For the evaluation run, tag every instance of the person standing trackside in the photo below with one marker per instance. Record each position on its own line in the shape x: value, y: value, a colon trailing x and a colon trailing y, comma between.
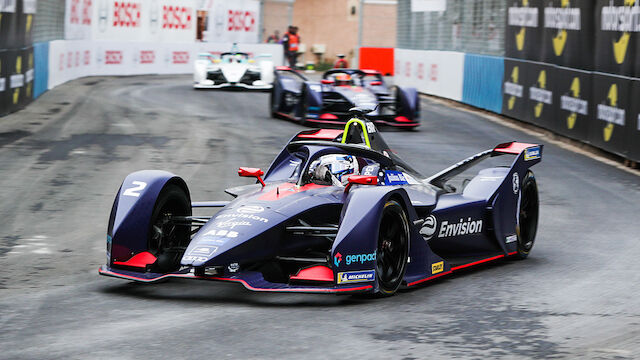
x: 291, y: 42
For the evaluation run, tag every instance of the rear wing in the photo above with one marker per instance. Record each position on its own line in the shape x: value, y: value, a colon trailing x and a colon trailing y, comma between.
x: 531, y: 154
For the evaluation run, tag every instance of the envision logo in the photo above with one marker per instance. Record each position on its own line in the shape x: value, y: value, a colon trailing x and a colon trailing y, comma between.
x: 573, y: 103
x: 611, y: 113
x: 540, y: 94
x: 513, y: 88
x: 462, y: 227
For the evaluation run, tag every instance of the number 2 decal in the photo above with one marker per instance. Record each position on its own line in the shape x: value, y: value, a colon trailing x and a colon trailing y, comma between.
x: 135, y: 191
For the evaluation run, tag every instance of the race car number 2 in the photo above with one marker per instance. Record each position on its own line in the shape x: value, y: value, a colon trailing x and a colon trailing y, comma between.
x: 135, y: 190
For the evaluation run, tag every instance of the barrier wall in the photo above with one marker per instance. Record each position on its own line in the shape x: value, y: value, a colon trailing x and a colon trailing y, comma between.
x: 437, y: 73
x: 482, y: 84
x: 71, y: 59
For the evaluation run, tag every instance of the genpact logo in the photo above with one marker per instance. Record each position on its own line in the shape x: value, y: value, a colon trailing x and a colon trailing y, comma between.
x: 361, y: 258
x: 337, y: 258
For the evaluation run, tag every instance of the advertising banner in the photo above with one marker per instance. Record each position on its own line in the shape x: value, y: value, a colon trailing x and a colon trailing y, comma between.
x: 4, y: 82
x: 27, y: 70
x: 633, y: 138
x: 617, y: 25
x: 26, y: 15
x: 70, y: 59
x: 78, y: 18
x: 514, y: 90
x: 610, y: 126
x: 233, y: 21
x: 8, y: 24
x: 428, y: 5
x: 572, y: 100
x: 540, y: 82
x: 432, y: 72
x: 138, y: 20
x: 568, y: 37
x: 15, y: 79
x: 524, y: 31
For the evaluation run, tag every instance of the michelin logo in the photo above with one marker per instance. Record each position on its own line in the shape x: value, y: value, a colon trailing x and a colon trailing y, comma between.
x: 462, y: 227
x: 356, y: 276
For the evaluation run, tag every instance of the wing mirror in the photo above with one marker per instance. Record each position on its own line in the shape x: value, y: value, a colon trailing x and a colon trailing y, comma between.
x: 327, y: 82
x: 375, y: 83
x: 361, y: 180
x: 252, y: 172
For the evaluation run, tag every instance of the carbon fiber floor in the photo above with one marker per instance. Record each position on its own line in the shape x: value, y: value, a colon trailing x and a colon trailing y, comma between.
x: 63, y: 158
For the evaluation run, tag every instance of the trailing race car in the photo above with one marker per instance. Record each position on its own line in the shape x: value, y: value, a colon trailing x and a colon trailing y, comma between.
x: 336, y: 212
x: 328, y: 102
x: 233, y: 69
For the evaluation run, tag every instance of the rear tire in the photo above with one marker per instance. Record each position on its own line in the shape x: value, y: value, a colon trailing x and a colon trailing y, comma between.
x: 272, y: 102
x: 168, y: 241
x: 528, y: 215
x: 393, y: 248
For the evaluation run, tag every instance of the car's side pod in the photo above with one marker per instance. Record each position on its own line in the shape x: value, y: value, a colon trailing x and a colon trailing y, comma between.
x: 129, y: 223
x: 408, y: 103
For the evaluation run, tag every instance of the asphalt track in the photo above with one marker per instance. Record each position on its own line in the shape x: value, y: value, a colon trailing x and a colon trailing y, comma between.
x: 63, y: 158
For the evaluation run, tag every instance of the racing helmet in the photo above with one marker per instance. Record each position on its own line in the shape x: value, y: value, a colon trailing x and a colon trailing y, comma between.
x: 333, y: 169
x: 344, y: 79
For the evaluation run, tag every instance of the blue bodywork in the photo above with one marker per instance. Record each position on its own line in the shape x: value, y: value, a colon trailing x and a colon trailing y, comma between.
x: 264, y: 226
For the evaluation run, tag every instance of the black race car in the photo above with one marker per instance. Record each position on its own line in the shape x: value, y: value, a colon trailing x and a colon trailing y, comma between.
x: 328, y: 101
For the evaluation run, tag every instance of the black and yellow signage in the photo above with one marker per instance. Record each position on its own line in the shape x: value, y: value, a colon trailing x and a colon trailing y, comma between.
x: 617, y: 26
x: 568, y: 33
x: 523, y: 34
x: 514, y: 94
x: 609, y: 125
x: 573, y: 102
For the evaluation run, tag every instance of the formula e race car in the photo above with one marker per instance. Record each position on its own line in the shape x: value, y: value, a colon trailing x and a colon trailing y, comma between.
x: 328, y: 102
x: 336, y: 212
x: 233, y: 70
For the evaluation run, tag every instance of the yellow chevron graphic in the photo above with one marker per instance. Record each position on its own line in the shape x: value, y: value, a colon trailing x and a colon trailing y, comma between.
x: 575, y: 92
x: 620, y: 46
x: 520, y: 39
x: 16, y: 91
x: 542, y: 83
x: 607, y: 132
x: 514, y: 78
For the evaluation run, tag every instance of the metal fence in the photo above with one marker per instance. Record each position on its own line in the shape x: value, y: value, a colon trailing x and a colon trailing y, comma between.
x: 49, y: 20
x: 471, y: 26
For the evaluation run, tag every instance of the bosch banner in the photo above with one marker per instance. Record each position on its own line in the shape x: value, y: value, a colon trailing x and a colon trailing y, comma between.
x: 617, y: 26
x: 131, y: 20
x: 572, y: 101
x: 524, y: 32
x: 610, y: 124
x: 78, y: 19
x: 539, y: 84
x: 633, y: 138
x: 514, y: 90
x: 233, y: 21
x: 568, y: 33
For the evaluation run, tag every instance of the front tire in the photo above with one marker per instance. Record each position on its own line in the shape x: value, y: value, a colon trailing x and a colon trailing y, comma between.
x: 168, y: 241
x: 527, y: 215
x: 393, y: 248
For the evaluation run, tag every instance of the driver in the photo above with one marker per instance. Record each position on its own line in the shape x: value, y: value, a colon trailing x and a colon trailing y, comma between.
x: 333, y: 169
x: 344, y: 80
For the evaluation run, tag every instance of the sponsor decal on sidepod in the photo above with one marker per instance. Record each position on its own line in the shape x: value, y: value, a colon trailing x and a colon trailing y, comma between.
x: 462, y: 227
